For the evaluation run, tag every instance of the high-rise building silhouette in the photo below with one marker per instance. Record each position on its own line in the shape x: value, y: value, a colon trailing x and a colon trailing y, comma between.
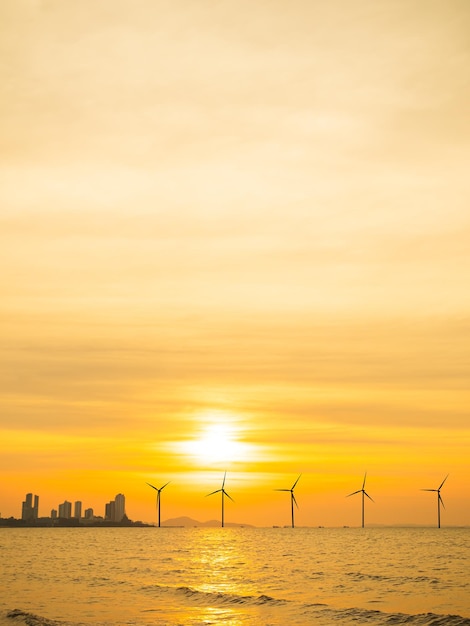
x: 77, y: 509
x: 119, y: 507
x: 109, y: 511
x: 65, y: 510
x: 30, y: 511
x: 115, y: 510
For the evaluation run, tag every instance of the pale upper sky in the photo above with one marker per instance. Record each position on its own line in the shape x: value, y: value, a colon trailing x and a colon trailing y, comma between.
x: 250, y: 214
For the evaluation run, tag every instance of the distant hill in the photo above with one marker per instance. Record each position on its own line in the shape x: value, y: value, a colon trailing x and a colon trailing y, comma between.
x: 188, y: 522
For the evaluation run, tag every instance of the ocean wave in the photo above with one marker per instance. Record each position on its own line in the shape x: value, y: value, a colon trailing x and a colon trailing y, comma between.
x: 392, y: 579
x: 327, y: 615
x: 30, y: 619
x: 219, y: 597
x: 299, y: 614
x: 317, y: 612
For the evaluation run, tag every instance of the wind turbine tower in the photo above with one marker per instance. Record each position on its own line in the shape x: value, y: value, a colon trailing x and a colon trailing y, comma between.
x: 223, y: 494
x: 364, y: 493
x: 292, y: 498
x: 158, y: 490
x: 439, y: 500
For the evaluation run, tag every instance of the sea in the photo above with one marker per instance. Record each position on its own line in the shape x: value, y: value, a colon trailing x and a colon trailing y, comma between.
x: 235, y: 576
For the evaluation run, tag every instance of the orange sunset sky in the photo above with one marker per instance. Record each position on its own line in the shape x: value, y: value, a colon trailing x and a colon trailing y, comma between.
x: 234, y: 236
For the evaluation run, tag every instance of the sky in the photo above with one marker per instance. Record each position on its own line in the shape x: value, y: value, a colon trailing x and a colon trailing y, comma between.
x: 234, y: 238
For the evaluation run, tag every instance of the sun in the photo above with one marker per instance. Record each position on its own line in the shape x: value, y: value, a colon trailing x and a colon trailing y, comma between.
x: 217, y: 441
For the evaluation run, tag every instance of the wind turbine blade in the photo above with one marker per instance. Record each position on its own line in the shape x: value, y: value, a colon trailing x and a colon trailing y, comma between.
x: 441, y: 500
x: 165, y: 485
x: 212, y: 492
x: 364, y: 481
x: 440, y: 487
x: 428, y: 489
x: 354, y: 493
x: 228, y: 496
x: 152, y: 486
x: 366, y: 494
x: 281, y: 490
x: 293, y: 498
x: 293, y: 486
x: 223, y: 482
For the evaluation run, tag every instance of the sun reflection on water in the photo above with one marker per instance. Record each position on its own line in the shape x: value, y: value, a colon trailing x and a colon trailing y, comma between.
x: 219, y: 557
x: 221, y: 615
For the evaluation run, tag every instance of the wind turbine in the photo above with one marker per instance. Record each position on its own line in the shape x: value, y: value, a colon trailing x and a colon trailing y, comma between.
x: 439, y: 500
x: 292, y: 498
x: 158, y: 497
x: 224, y: 493
x: 364, y: 493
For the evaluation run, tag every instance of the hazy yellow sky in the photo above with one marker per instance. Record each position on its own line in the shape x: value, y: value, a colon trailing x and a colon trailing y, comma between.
x: 235, y: 237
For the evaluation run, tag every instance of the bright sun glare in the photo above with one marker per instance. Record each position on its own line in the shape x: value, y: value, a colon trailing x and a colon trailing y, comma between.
x: 218, y: 441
